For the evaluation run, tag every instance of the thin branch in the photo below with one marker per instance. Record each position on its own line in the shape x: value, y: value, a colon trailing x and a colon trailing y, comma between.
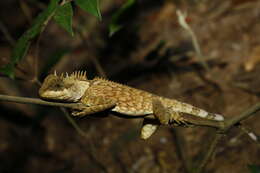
x: 6, y: 34
x: 184, y: 24
x: 181, y: 149
x: 94, y: 60
x: 223, y: 126
x: 65, y: 2
x: 227, y: 125
x: 73, y: 123
x: 249, y: 133
x: 246, y: 114
x: 37, y: 101
x: 36, y: 59
x: 209, y: 152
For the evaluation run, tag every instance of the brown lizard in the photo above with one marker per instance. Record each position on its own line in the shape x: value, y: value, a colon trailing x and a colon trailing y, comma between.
x: 100, y: 94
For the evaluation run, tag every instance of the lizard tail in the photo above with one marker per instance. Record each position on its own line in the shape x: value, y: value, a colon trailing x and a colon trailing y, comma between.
x: 204, y: 114
x: 217, y: 117
x: 201, y: 113
x: 190, y: 109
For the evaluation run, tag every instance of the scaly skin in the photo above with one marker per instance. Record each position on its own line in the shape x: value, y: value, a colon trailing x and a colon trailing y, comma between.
x: 135, y: 102
x: 99, y: 94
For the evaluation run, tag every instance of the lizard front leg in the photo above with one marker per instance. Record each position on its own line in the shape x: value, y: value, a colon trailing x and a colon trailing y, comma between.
x: 93, y: 104
x: 166, y: 116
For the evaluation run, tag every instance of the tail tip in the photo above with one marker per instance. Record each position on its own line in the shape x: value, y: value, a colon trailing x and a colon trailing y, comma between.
x: 253, y: 136
x: 218, y: 117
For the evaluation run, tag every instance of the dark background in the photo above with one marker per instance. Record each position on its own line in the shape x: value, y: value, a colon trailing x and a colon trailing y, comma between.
x: 151, y: 52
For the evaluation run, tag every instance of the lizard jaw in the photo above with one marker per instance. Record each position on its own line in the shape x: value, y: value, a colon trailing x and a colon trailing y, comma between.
x: 63, y: 95
x: 71, y: 94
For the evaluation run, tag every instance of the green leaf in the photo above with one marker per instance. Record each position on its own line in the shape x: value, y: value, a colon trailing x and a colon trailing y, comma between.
x: 113, y: 28
x: 91, y: 6
x: 8, y: 70
x: 114, y: 25
x: 22, y: 45
x: 63, y: 16
x: 254, y: 168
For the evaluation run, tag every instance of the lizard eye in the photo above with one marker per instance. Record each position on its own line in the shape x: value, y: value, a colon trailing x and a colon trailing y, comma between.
x: 57, y: 85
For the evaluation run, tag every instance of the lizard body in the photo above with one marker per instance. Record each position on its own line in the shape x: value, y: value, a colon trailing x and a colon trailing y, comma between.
x: 101, y: 94
x: 136, y: 102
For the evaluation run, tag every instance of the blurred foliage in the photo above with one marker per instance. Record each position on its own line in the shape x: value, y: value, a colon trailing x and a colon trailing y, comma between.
x: 254, y: 168
x: 22, y: 45
x: 63, y: 17
x: 91, y: 6
x: 114, y: 25
x: 62, y: 14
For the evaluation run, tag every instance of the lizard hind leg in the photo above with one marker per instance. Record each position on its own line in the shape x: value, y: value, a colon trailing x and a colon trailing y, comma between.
x: 149, y: 127
x: 166, y: 116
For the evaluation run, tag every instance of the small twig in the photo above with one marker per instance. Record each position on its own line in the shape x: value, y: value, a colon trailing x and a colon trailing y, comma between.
x: 36, y: 59
x: 249, y: 133
x: 209, y: 152
x: 73, y: 123
x: 181, y: 149
x: 94, y: 60
x: 246, y: 114
x: 184, y: 24
x: 6, y: 34
x: 26, y: 11
x: 65, y: 1
x: 227, y: 125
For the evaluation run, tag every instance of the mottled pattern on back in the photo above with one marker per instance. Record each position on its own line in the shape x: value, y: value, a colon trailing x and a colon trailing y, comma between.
x: 135, y: 102
x: 129, y: 100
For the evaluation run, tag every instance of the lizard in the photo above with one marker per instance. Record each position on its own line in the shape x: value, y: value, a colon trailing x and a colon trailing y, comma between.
x: 98, y: 94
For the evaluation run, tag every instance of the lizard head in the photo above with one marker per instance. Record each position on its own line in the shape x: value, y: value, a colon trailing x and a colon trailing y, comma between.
x: 66, y: 88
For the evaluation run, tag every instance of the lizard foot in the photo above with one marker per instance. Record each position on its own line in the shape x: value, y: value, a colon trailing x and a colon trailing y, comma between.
x: 78, y: 113
x: 176, y: 118
x: 148, y: 128
x: 167, y: 116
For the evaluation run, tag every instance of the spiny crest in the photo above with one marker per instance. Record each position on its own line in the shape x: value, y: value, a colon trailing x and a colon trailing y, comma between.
x: 80, y: 75
x: 110, y: 81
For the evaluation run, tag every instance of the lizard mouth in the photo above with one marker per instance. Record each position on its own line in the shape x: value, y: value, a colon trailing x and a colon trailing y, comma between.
x: 62, y: 96
x: 54, y: 95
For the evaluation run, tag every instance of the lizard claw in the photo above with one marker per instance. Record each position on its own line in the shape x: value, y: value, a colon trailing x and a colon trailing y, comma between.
x: 78, y: 113
x: 75, y: 113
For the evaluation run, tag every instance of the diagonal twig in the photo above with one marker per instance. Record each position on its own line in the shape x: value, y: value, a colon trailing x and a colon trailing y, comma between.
x: 227, y: 125
x: 184, y: 25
